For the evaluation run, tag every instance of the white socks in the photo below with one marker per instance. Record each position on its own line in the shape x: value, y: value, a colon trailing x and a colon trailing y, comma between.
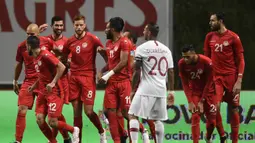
x: 159, y: 127
x: 134, y: 129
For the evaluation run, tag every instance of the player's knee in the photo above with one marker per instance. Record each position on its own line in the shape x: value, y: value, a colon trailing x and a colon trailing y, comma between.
x: 53, y: 122
x: 234, y: 109
x: 39, y: 119
x: 211, y: 123
x: 218, y: 106
x: 130, y: 117
x: 195, y: 119
x: 22, y: 109
x: 88, y: 112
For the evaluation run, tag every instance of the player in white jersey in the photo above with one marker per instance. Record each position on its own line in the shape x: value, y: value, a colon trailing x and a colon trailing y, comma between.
x: 153, y: 64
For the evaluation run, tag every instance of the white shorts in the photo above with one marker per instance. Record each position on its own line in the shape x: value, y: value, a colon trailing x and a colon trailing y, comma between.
x: 149, y: 107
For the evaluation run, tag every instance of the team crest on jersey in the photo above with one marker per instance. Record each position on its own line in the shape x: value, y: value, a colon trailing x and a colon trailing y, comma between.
x: 84, y: 45
x: 115, y: 48
x: 43, y: 48
x: 200, y: 71
x: 60, y: 47
x: 39, y: 63
x: 225, y: 43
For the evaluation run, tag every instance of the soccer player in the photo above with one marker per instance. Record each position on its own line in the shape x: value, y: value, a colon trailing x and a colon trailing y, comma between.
x: 118, y: 88
x: 196, y: 72
x: 153, y: 62
x: 83, y: 46
x: 50, y: 69
x: 25, y: 98
x: 225, y: 49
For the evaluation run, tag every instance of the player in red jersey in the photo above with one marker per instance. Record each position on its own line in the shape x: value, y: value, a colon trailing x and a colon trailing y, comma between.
x: 225, y: 49
x: 49, y: 69
x: 83, y: 46
x: 117, y: 93
x: 196, y: 72
x: 25, y: 98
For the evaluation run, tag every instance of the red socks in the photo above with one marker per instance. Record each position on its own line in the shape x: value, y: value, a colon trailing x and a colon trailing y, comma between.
x: 113, y: 123
x: 235, y: 121
x: 219, y: 125
x: 195, y: 127
x: 20, y: 126
x: 47, y: 132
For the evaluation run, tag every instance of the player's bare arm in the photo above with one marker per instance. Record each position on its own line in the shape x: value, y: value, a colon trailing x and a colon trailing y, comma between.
x: 136, y: 76
x: 123, y: 62
x: 170, y: 97
x: 102, y: 52
x: 33, y: 86
x: 18, y: 69
x: 60, y: 70
x: 43, y: 27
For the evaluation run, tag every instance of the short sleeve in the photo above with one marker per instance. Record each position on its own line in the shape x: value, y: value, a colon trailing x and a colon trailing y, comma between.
x: 125, y: 45
x: 19, y: 57
x: 170, y: 60
x: 139, y: 54
x: 97, y: 42
x: 51, y: 59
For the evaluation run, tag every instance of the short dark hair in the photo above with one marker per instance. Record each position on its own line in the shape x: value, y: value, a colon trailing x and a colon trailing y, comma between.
x: 220, y: 15
x: 153, y: 28
x: 79, y: 17
x: 132, y: 35
x: 56, y: 18
x: 117, y: 23
x: 187, y: 48
x: 33, y: 41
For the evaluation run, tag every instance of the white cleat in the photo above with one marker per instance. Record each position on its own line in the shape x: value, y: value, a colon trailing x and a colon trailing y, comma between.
x: 76, y: 138
x: 103, y: 138
x: 145, y: 136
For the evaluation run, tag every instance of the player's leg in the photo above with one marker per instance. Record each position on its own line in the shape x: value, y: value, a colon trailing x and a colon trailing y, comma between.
x: 152, y: 129
x: 25, y: 102
x: 121, y: 126
x: 41, y: 112
x: 55, y: 105
x: 64, y: 133
x: 74, y: 98
x: 210, y: 113
x: 219, y: 87
x: 195, y: 120
x: 159, y: 127
x: 88, y: 98
x: 110, y: 105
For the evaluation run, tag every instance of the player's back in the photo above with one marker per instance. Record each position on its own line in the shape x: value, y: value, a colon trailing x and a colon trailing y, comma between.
x: 156, y: 60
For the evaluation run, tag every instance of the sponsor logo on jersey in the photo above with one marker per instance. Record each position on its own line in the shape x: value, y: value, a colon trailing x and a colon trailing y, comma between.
x: 200, y: 71
x: 39, y: 63
x: 60, y: 47
x: 116, y: 48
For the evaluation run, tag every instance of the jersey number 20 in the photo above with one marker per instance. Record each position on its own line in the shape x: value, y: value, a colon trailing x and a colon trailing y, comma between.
x: 158, y: 64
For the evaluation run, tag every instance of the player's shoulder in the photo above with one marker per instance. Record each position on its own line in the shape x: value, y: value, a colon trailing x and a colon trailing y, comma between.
x: 233, y: 34
x: 181, y: 62
x: 210, y: 34
x: 71, y: 39
x: 205, y: 59
x: 125, y: 40
x: 22, y: 44
x: 46, y: 53
x: 44, y: 38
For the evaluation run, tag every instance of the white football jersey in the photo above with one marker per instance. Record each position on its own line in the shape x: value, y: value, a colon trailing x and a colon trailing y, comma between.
x: 156, y: 60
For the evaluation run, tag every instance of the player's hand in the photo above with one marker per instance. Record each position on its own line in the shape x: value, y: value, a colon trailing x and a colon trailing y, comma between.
x: 192, y: 107
x: 237, y: 87
x: 200, y: 107
x: 16, y: 87
x: 170, y: 99
x: 31, y: 88
x: 99, y: 75
x: 101, y: 81
x: 50, y: 86
x: 43, y: 27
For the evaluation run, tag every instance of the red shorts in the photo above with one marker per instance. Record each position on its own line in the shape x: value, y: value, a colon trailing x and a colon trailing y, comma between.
x: 50, y: 104
x: 117, y: 95
x: 226, y: 84
x: 82, y: 88
x: 26, y: 98
x: 210, y: 109
x: 65, y: 86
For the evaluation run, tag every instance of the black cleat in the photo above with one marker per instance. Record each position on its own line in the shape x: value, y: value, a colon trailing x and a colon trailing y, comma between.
x: 68, y: 140
x: 223, y: 139
x: 123, y: 139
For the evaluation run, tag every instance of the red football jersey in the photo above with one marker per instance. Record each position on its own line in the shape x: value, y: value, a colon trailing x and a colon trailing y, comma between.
x: 23, y: 56
x: 59, y: 43
x: 197, y: 79
x: 113, y: 53
x: 84, y: 51
x: 224, y: 49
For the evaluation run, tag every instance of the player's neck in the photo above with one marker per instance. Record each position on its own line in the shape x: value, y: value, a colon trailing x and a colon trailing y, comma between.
x: 222, y: 30
x: 153, y: 38
x: 195, y: 59
x: 116, y: 37
x: 56, y: 37
x: 36, y: 52
x: 81, y: 35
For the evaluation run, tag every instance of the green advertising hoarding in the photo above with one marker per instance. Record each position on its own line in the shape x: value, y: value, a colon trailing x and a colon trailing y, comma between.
x: 177, y: 128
